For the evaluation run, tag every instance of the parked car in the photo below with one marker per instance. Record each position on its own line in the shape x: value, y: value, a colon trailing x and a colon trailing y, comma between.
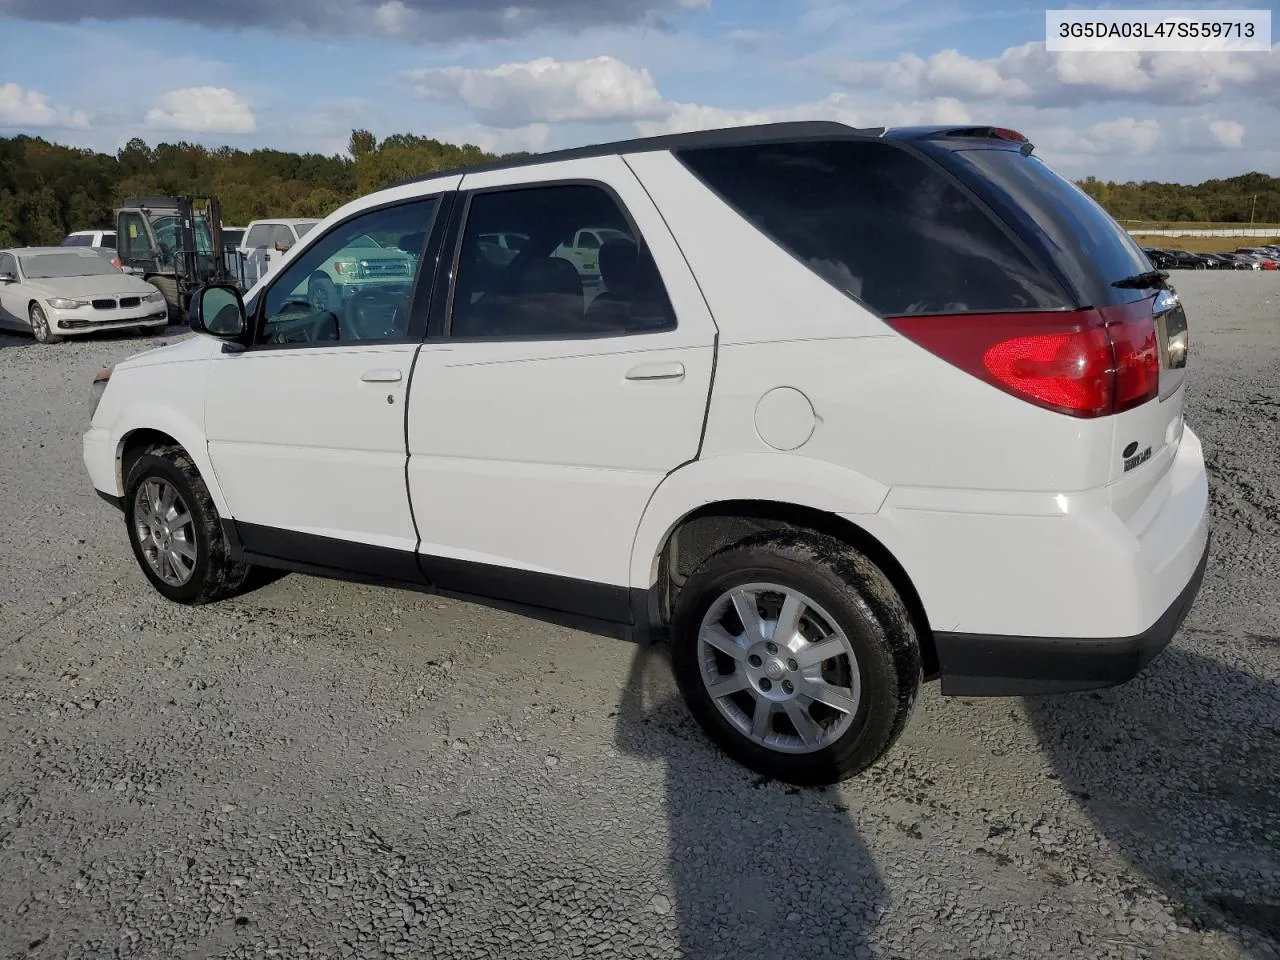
x: 233, y: 237
x: 1186, y: 260
x: 266, y: 241
x: 57, y: 292
x: 1160, y: 259
x: 1261, y: 256
x: 1229, y: 261
x: 103, y: 239
x: 978, y: 472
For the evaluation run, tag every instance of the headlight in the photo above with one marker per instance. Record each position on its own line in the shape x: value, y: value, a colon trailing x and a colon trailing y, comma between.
x: 62, y: 303
x: 154, y: 297
x: 349, y: 268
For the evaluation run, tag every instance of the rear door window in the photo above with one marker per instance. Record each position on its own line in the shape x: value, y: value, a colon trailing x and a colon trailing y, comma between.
x: 879, y: 223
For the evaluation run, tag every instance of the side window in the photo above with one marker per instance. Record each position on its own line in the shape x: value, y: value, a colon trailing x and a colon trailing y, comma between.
x: 259, y: 236
x: 352, y: 285
x: 78, y: 240
x: 540, y: 289
x: 109, y: 241
x: 134, y: 245
x: 879, y: 224
x: 588, y: 241
x: 8, y: 264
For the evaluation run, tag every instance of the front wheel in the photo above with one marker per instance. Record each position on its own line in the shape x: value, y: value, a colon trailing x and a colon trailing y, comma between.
x: 797, y: 657
x: 40, y: 328
x: 175, y: 530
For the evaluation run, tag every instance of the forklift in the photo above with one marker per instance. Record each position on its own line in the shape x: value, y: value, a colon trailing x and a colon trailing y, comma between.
x: 176, y: 245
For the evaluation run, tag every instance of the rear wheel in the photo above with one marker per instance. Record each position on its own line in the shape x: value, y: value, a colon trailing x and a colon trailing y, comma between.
x: 797, y: 656
x: 40, y: 328
x: 175, y: 530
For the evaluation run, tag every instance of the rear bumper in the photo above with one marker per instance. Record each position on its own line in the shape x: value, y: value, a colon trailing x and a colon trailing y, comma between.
x: 998, y: 666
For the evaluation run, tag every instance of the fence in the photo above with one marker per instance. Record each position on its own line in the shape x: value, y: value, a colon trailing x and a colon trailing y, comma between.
x: 1203, y: 232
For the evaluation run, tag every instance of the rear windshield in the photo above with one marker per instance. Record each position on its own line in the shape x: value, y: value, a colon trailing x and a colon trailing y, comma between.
x: 303, y: 229
x: 1081, y: 238
x: 881, y: 224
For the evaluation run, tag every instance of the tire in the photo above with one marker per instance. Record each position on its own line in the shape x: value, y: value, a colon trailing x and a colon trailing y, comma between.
x: 322, y: 294
x: 203, y: 572
x: 40, y: 328
x: 849, y: 606
x: 169, y: 287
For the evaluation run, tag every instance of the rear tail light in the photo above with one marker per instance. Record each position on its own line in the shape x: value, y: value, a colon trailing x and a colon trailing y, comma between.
x: 1086, y: 363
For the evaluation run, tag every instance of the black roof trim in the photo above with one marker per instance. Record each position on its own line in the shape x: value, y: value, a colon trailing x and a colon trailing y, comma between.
x: 722, y: 137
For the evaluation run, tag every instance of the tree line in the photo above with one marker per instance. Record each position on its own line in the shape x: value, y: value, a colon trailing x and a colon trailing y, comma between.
x: 48, y: 190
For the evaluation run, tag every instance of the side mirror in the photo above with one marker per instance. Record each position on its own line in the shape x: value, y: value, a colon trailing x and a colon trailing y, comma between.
x: 218, y: 310
x: 8, y: 278
x: 283, y: 247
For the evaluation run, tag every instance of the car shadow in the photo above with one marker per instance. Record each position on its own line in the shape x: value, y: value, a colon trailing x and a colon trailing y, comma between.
x: 1178, y: 774
x: 758, y: 869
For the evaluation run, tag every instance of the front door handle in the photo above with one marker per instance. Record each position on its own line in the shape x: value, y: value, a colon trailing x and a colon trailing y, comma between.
x: 657, y: 371
x: 381, y: 376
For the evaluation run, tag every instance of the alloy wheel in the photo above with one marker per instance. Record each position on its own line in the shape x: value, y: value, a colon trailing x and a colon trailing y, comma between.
x: 165, y: 531
x: 779, y: 668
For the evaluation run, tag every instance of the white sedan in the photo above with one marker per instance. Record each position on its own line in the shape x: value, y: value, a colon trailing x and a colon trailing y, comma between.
x: 64, y: 291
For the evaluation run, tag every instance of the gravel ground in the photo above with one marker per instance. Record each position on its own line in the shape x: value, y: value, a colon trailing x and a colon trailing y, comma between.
x: 328, y: 770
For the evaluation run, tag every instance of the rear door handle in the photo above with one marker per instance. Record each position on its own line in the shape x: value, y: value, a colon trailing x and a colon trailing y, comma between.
x: 381, y: 376
x: 657, y: 371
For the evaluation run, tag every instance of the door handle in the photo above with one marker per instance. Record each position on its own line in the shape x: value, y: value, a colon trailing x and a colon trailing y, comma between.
x: 381, y: 376
x: 657, y: 371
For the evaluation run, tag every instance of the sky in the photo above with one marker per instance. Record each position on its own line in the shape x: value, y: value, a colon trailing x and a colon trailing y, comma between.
x: 541, y: 74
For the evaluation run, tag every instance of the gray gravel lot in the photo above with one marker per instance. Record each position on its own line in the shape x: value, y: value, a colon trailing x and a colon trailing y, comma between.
x: 327, y: 770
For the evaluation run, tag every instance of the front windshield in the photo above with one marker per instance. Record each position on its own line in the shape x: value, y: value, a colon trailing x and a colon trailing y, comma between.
x: 49, y: 266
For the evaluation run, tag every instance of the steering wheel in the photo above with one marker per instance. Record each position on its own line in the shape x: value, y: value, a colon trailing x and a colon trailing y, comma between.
x: 376, y: 315
x: 306, y: 325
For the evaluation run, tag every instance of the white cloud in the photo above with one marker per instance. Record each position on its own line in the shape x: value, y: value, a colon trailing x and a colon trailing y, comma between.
x: 840, y: 107
x: 1208, y: 132
x: 1228, y: 133
x: 202, y: 110
x: 1124, y: 135
x: 545, y: 91
x: 20, y: 107
x: 1030, y: 74
x: 534, y: 137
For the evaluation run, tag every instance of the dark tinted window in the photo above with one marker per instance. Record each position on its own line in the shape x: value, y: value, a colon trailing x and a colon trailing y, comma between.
x: 77, y: 240
x: 109, y: 240
x: 1087, y: 245
x: 882, y: 225
x: 550, y: 287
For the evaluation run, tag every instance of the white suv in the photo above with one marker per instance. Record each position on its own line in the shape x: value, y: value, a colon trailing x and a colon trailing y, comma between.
x: 853, y: 409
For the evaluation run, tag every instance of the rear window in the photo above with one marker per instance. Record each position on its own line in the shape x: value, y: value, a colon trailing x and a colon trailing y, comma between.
x: 881, y: 224
x: 77, y: 240
x: 303, y: 228
x: 1089, y: 247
